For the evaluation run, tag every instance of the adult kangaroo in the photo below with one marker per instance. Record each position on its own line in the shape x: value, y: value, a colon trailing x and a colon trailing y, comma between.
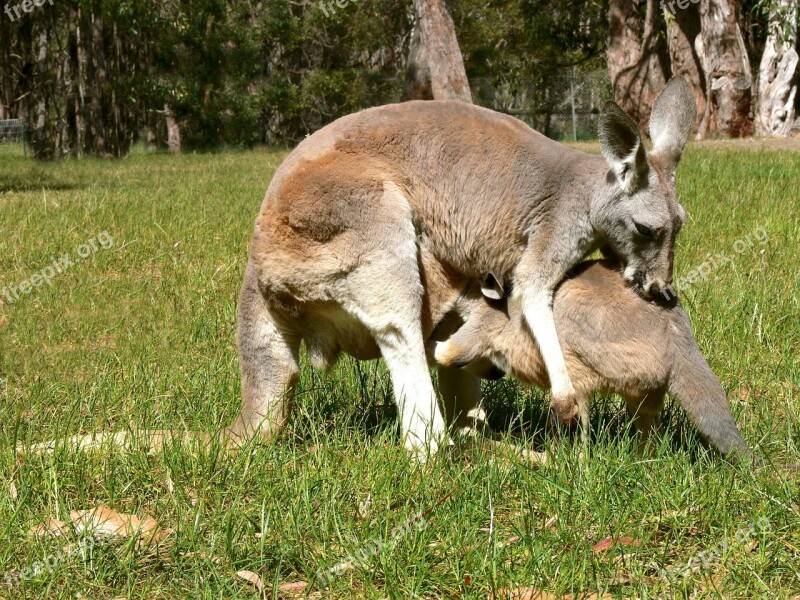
x: 339, y: 231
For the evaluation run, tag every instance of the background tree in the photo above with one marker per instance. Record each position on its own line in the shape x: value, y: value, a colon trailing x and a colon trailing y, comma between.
x: 683, y: 29
x: 777, y: 74
x: 705, y: 44
x: 94, y: 77
x: 638, y: 56
x: 435, y: 66
x: 727, y: 70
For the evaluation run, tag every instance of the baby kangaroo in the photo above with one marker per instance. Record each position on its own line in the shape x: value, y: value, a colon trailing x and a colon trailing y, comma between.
x: 613, y: 340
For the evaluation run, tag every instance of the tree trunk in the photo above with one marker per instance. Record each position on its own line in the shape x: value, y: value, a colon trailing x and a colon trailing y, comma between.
x: 42, y: 142
x: 435, y: 66
x: 25, y: 80
x: 173, y: 130
x: 638, y: 57
x: 75, y: 89
x: 729, y: 80
x: 418, y: 75
x: 683, y: 27
x: 96, y: 79
x: 777, y: 84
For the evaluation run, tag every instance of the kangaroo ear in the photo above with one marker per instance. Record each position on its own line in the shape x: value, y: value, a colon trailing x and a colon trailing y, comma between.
x: 454, y: 352
x: 492, y: 288
x: 622, y: 147
x: 673, y: 117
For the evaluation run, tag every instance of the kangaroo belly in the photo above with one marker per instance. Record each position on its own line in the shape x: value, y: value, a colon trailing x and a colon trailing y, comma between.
x: 329, y: 331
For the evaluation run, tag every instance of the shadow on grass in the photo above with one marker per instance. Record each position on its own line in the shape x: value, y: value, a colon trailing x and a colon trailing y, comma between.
x: 516, y: 408
x: 34, y: 183
x: 359, y: 400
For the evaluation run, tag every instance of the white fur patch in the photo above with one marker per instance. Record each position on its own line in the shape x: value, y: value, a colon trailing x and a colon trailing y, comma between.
x: 539, y: 316
x: 441, y: 353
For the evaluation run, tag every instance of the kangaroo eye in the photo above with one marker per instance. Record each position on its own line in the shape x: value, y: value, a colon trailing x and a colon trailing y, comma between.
x: 644, y: 230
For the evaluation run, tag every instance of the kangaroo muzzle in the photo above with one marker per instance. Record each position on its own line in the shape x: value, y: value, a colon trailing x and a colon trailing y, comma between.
x: 654, y: 287
x: 647, y: 286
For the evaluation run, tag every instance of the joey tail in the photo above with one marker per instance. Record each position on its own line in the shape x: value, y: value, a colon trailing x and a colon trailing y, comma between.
x: 697, y: 389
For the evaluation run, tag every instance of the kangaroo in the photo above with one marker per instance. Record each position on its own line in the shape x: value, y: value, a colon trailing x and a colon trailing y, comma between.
x: 613, y: 340
x: 338, y: 234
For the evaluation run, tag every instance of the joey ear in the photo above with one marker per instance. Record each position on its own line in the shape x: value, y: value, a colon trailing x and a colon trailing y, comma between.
x: 492, y: 288
x: 453, y: 352
x: 622, y: 147
x: 673, y: 117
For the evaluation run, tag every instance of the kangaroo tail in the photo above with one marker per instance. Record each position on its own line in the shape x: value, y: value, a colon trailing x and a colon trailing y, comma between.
x: 700, y: 394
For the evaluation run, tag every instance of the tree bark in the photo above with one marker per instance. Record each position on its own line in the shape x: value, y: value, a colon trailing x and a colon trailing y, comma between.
x: 173, y: 130
x: 435, y: 65
x: 683, y: 27
x: 75, y: 89
x: 729, y: 80
x: 96, y: 79
x: 418, y: 75
x: 41, y: 143
x: 638, y: 57
x: 777, y: 82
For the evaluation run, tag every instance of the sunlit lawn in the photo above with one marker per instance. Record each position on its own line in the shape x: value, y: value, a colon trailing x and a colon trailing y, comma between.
x: 140, y: 333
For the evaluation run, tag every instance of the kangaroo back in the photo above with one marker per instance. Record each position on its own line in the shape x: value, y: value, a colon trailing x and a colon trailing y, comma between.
x: 700, y: 394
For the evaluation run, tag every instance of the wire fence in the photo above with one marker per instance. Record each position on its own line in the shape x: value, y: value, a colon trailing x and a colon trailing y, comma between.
x: 563, y: 106
x: 14, y: 131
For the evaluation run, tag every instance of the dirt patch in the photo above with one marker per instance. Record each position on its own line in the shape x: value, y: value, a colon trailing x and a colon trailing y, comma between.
x: 789, y: 143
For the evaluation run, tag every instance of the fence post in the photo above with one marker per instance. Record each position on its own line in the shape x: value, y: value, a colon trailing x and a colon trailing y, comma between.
x: 572, y: 102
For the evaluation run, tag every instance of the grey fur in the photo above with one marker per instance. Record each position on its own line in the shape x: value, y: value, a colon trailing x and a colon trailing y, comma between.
x: 622, y: 147
x: 337, y: 239
x: 613, y: 341
x: 670, y: 122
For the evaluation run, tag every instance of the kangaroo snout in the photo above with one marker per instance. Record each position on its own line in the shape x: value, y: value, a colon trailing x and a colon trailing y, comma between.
x: 447, y: 354
x: 647, y: 285
x: 637, y: 279
x: 655, y: 287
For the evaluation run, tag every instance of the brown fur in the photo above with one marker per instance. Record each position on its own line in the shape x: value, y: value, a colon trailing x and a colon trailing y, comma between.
x: 613, y: 341
x: 335, y: 258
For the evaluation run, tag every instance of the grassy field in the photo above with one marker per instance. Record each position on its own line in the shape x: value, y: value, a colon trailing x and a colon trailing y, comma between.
x: 138, y: 331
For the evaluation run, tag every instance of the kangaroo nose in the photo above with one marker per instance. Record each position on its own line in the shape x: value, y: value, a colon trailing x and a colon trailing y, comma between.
x: 653, y: 289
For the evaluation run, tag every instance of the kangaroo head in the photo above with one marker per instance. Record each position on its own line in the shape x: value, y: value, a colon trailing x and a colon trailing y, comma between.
x: 484, y: 321
x: 493, y: 340
x: 638, y: 215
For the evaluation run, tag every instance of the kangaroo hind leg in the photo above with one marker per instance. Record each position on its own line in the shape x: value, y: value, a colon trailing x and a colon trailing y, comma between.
x: 269, y: 362
x: 385, y: 293
x: 644, y: 410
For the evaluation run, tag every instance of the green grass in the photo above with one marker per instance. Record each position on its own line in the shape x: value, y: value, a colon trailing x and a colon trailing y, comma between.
x: 143, y: 333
